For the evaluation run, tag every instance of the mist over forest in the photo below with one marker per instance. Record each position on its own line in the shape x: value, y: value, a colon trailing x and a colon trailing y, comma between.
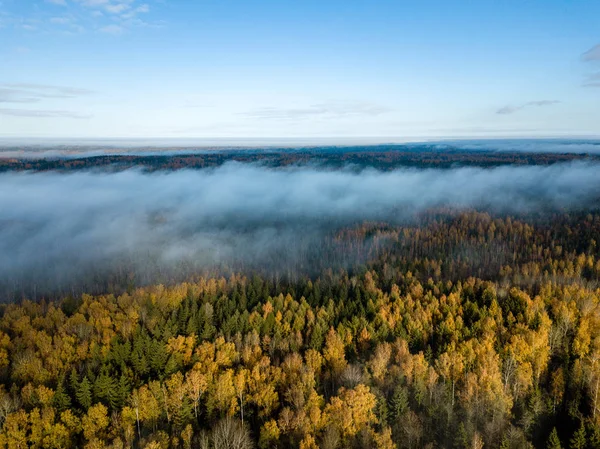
x: 299, y: 225
x: 68, y: 231
x: 375, y: 297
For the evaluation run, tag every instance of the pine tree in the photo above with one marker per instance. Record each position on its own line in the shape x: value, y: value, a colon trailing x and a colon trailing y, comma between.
x: 553, y: 440
x: 84, y: 393
x: 158, y: 357
x: 316, y: 338
x: 138, y: 356
x: 73, y: 382
x: 578, y: 440
x: 183, y: 314
x: 593, y: 436
x: 462, y: 439
x: 105, y: 390
x: 381, y: 409
x: 399, y: 402
x: 208, y: 331
x: 191, y: 327
x: 123, y: 390
x: 183, y: 414
x: 61, y: 399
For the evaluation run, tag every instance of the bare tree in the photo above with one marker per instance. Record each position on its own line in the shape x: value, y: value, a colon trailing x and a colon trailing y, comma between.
x: 352, y: 376
x: 412, y: 428
x: 203, y: 440
x: 8, y: 404
x: 230, y: 433
x: 331, y: 439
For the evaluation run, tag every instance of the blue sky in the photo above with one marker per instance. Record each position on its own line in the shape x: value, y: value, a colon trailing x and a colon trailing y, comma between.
x: 380, y: 69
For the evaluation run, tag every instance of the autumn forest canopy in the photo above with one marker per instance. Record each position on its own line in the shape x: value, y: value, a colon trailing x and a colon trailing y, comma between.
x: 367, y: 297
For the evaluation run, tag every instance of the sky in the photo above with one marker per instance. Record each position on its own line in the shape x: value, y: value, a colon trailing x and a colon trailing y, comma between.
x: 312, y: 69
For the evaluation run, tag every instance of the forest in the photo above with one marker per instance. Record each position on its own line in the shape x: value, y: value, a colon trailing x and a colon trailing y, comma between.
x: 469, y: 332
x: 381, y: 157
x: 456, y: 327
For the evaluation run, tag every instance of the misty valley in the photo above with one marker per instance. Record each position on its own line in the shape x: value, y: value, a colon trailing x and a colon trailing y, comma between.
x: 441, y: 295
x: 307, y: 224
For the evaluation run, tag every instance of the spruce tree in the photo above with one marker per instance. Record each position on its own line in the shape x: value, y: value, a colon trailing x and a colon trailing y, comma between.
x: 61, y: 399
x: 399, y: 402
x: 84, y: 393
x: 73, y: 382
x: 578, y: 439
x: 461, y: 441
x: 553, y: 440
x: 123, y: 390
x: 105, y: 389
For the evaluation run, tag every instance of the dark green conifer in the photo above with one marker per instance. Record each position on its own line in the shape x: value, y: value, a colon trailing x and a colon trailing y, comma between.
x: 461, y: 440
x: 61, y: 399
x: 553, y: 440
x: 578, y: 441
x: 84, y: 393
x: 399, y: 402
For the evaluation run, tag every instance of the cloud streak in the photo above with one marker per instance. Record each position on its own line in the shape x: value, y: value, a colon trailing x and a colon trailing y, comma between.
x: 512, y: 109
x: 61, y: 230
x: 593, y: 54
x: 108, y: 16
x: 42, y: 113
x: 26, y: 93
x: 592, y: 80
x: 123, y: 10
x: 115, y: 30
x: 33, y: 93
x: 322, y: 110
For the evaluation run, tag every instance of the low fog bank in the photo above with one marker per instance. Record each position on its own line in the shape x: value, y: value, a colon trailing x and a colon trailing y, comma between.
x: 63, y: 232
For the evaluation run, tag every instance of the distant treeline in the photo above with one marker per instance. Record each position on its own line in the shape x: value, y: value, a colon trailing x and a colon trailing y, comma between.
x: 379, y: 157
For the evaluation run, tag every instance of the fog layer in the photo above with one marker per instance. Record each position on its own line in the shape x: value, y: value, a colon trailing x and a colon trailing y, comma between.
x: 62, y: 230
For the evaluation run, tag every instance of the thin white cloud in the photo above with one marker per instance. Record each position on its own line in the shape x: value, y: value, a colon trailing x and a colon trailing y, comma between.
x: 112, y: 29
x: 60, y: 20
x: 592, y: 80
x: 32, y: 93
x: 26, y: 93
x: 41, y: 113
x: 512, y: 109
x: 117, y: 8
x: 93, y: 3
x: 331, y: 110
x: 593, y: 54
x: 106, y: 16
x: 124, y: 9
x: 132, y: 13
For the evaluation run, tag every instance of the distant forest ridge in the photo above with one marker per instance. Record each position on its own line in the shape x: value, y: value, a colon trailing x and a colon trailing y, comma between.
x: 381, y: 157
